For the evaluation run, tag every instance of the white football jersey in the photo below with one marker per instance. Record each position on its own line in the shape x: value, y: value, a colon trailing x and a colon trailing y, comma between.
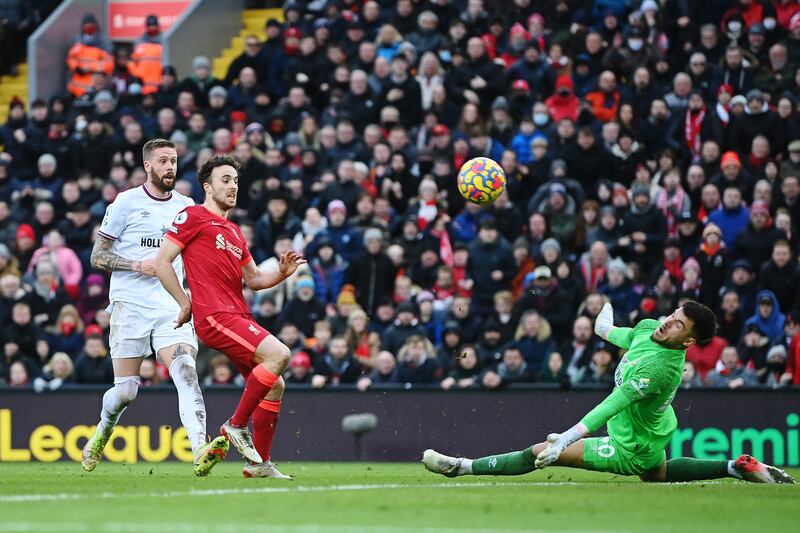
x: 137, y: 222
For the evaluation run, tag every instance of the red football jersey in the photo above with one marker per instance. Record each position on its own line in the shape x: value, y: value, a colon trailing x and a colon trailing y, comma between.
x: 214, y: 251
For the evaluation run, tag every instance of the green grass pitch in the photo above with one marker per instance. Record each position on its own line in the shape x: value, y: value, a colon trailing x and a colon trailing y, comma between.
x: 374, y: 497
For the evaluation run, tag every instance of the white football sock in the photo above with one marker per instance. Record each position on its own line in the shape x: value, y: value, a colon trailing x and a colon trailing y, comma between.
x: 191, y: 406
x: 115, y: 401
x: 465, y: 467
x: 732, y: 470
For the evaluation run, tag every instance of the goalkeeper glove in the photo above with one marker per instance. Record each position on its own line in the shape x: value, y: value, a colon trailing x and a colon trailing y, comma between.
x: 604, y: 321
x: 557, y: 443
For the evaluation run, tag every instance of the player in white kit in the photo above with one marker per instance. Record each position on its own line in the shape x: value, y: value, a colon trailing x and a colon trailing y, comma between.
x: 142, y: 312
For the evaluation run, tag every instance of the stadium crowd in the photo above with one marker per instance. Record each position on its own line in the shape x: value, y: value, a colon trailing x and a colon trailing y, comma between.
x: 652, y: 151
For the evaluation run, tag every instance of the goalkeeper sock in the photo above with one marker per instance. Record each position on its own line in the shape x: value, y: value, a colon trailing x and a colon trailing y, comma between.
x: 505, y: 464
x: 691, y: 469
x: 256, y: 387
x: 265, y: 420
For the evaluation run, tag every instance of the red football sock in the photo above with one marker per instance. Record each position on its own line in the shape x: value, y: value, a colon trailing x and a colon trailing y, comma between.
x: 257, y: 386
x: 265, y: 420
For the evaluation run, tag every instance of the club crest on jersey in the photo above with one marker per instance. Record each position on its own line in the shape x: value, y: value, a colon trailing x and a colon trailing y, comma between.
x: 254, y: 330
x: 223, y: 244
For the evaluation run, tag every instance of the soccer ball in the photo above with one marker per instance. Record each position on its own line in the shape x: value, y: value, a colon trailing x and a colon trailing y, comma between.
x: 481, y: 180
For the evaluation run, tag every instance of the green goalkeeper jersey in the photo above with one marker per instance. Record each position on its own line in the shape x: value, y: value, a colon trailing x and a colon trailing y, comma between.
x: 638, y: 412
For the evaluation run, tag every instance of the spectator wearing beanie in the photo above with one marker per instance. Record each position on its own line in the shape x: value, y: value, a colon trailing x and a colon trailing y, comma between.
x: 620, y: 291
x: 733, y: 175
x: 713, y: 258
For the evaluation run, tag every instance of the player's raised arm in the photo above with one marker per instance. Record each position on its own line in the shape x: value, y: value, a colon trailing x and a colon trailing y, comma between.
x: 166, y: 274
x: 104, y: 259
x: 258, y: 279
x: 605, y: 329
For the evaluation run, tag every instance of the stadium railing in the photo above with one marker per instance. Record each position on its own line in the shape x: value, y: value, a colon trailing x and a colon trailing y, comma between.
x: 49, y: 44
x: 204, y: 29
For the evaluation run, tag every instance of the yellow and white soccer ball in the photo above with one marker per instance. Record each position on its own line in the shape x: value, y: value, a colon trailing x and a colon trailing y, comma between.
x: 481, y: 180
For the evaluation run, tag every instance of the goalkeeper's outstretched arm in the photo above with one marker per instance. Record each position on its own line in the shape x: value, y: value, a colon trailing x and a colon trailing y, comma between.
x: 605, y: 329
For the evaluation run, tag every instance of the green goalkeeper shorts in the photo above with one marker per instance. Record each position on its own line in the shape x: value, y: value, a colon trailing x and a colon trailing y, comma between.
x: 605, y: 454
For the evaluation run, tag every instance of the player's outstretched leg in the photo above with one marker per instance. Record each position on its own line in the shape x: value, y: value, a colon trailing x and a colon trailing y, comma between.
x: 265, y: 422
x: 746, y: 468
x: 273, y: 357
x: 504, y: 464
x: 115, y: 401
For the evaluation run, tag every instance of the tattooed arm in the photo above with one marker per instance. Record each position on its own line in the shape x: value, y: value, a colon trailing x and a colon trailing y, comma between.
x: 104, y: 259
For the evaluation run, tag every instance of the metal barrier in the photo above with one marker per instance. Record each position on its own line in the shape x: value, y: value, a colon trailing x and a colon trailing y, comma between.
x: 49, y: 44
x: 205, y: 28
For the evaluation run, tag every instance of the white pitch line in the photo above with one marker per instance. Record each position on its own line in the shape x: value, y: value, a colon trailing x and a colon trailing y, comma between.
x: 182, y: 527
x: 19, y: 498
x: 199, y: 493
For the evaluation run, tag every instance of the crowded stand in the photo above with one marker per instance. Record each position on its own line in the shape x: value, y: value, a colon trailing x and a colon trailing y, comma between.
x: 651, y: 150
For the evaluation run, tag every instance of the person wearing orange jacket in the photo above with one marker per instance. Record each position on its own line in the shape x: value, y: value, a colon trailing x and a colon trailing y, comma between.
x: 146, y: 59
x: 89, y: 55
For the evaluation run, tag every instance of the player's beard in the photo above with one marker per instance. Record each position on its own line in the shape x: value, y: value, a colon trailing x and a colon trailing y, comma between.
x: 161, y: 183
x: 221, y: 199
x: 665, y: 343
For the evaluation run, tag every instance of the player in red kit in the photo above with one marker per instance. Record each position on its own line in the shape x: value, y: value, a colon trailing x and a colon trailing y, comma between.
x: 216, y: 260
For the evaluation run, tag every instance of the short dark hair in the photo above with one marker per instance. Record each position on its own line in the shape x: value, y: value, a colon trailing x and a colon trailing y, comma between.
x: 703, y: 319
x: 216, y: 161
x: 153, y: 144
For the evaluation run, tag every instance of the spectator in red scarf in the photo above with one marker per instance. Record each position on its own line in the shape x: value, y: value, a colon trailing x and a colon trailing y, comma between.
x: 672, y: 261
x: 696, y: 127
x: 594, y: 265
x: 672, y: 200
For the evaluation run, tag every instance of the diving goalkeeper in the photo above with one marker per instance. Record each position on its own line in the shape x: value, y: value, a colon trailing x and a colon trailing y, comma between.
x: 638, y: 414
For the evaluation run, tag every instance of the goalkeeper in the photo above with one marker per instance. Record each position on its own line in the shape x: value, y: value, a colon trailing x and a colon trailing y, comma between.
x: 638, y: 413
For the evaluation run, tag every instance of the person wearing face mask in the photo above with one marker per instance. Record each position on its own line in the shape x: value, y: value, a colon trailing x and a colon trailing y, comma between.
x: 634, y: 53
x: 145, y: 61
x: 747, y: 13
x: 89, y: 55
x: 563, y: 103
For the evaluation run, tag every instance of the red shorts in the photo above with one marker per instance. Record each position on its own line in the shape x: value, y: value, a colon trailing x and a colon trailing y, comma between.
x: 237, y: 335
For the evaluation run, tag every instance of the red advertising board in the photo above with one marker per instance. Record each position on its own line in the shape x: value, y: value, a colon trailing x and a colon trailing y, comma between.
x: 126, y: 18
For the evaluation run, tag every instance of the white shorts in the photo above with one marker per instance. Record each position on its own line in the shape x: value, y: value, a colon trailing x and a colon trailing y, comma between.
x: 139, y: 331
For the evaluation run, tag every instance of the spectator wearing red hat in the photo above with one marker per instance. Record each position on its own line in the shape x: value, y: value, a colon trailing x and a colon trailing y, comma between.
x: 733, y: 175
x: 25, y: 245
x: 518, y: 38
x: 300, y: 370
x: 755, y: 242
x: 563, y: 103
